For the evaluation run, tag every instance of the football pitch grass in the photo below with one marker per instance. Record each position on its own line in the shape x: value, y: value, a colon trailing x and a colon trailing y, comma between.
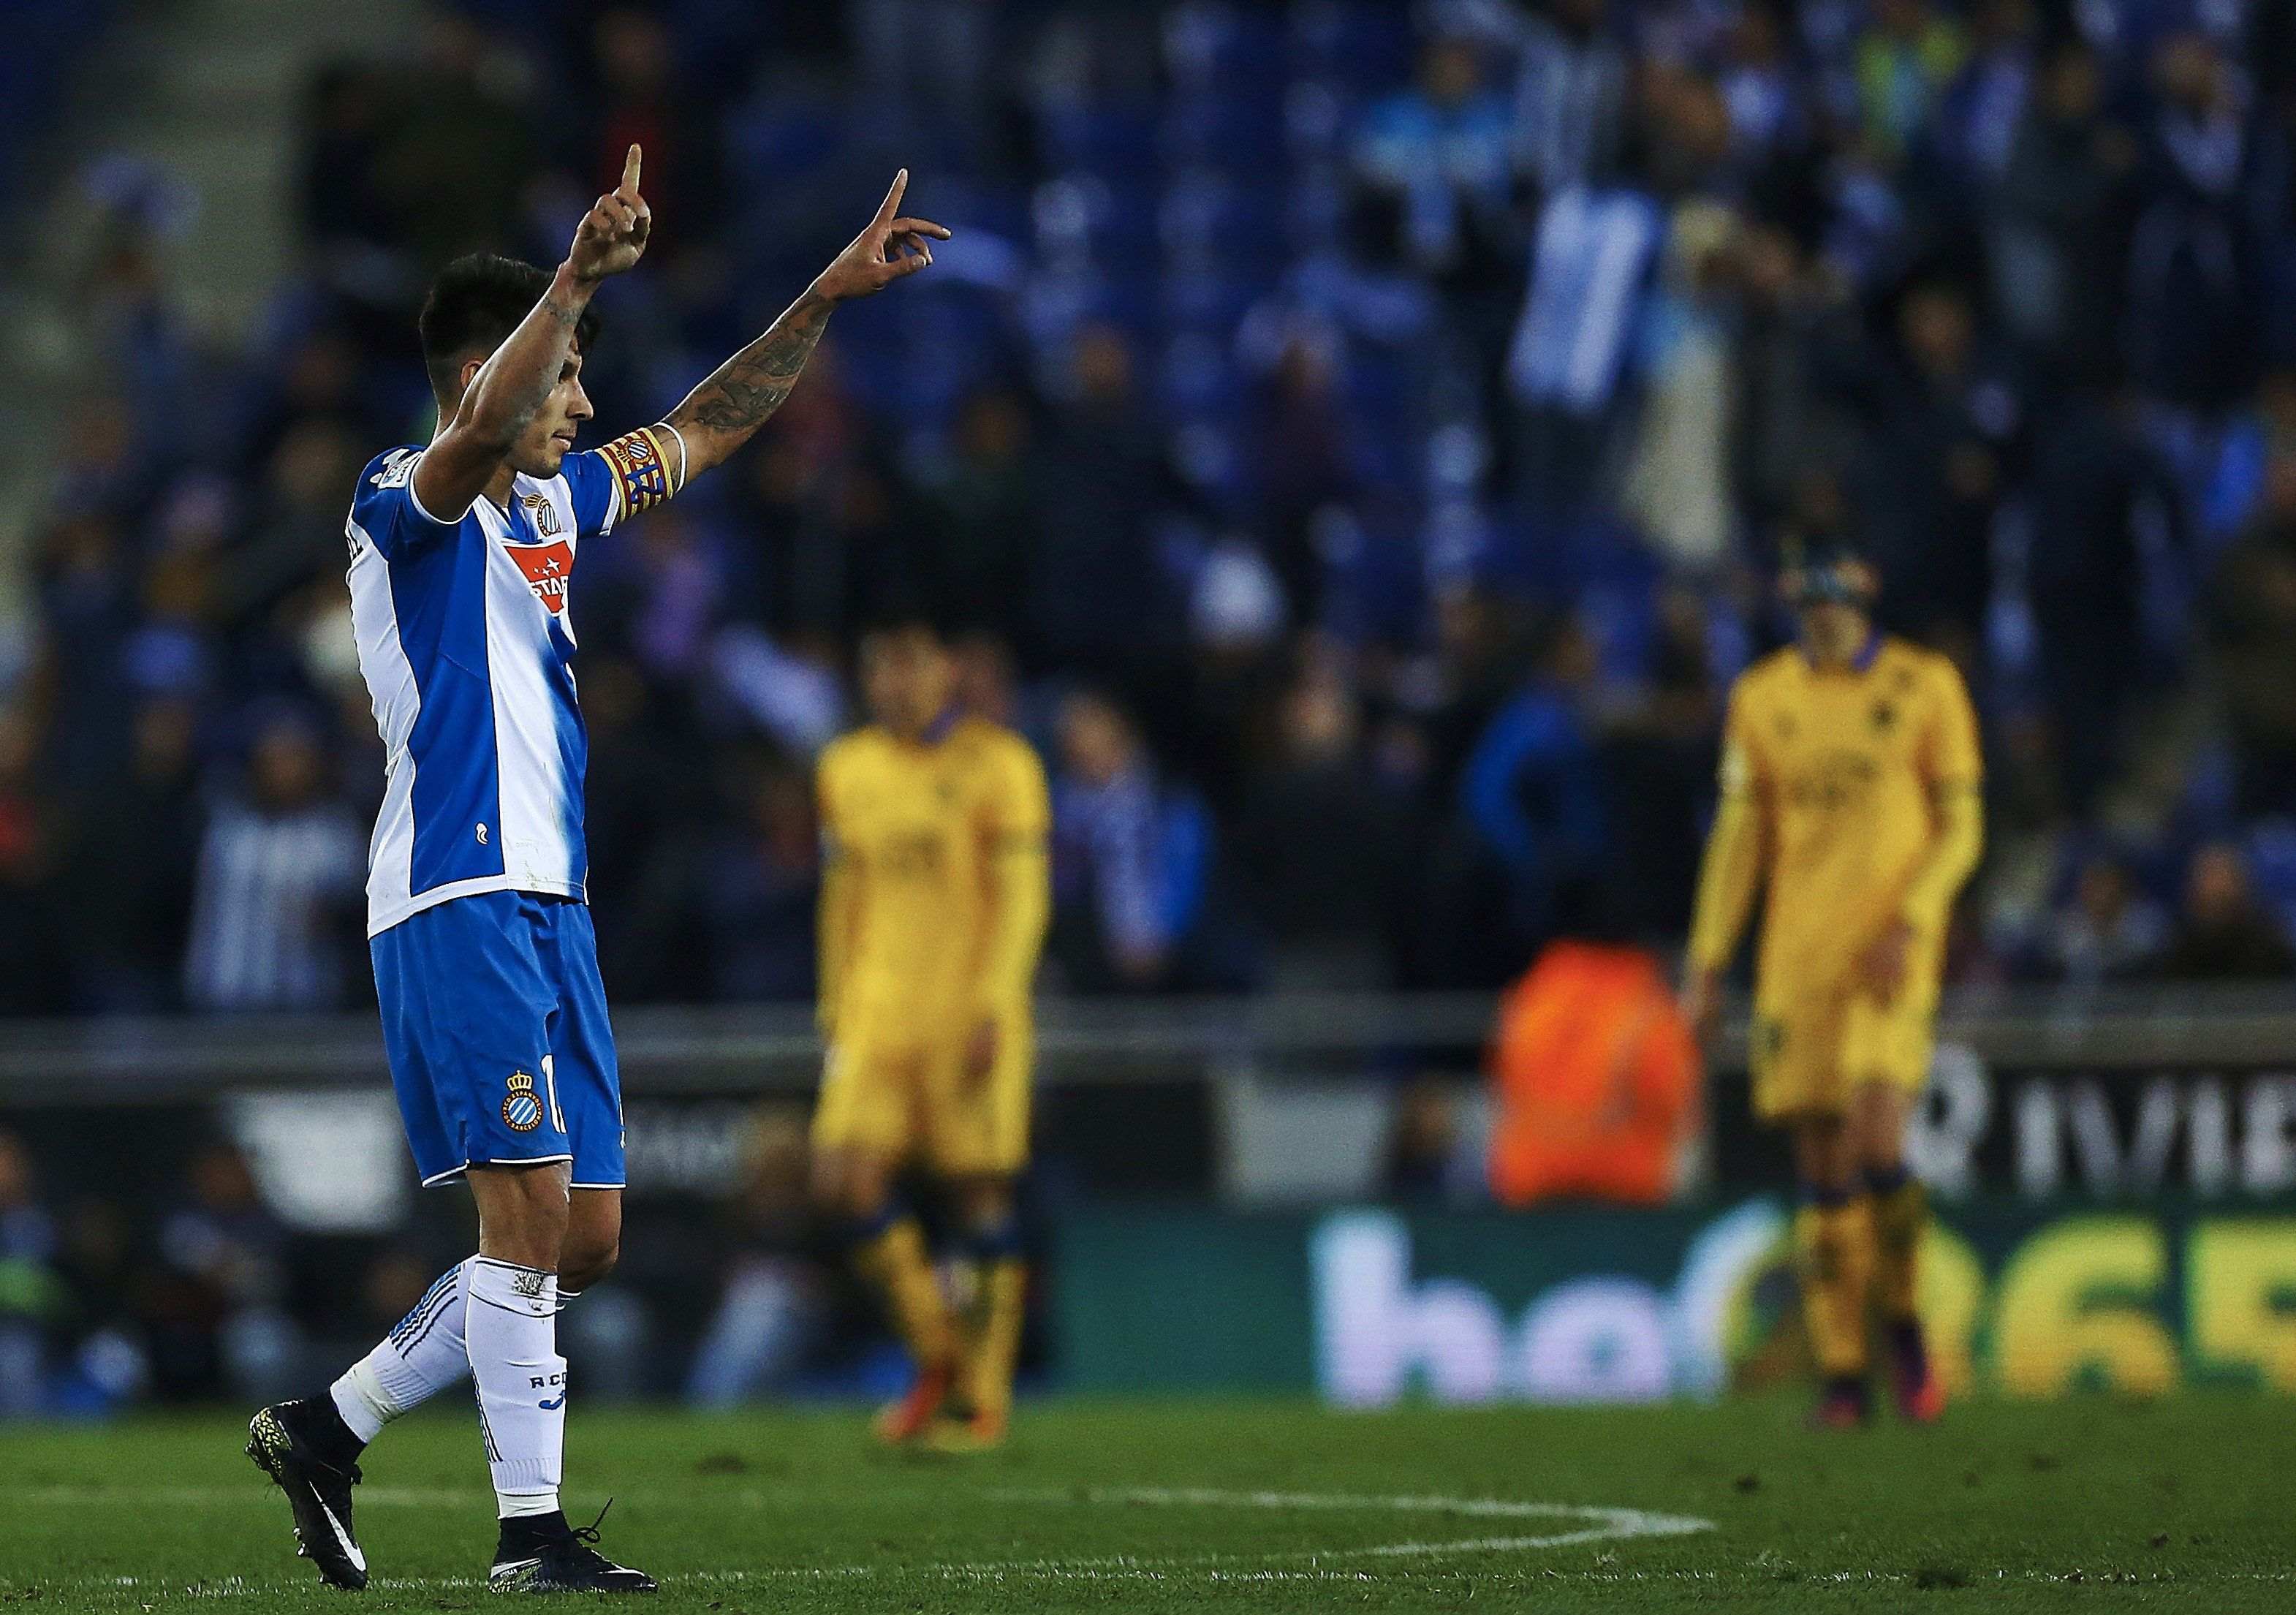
x: 2085, y: 1504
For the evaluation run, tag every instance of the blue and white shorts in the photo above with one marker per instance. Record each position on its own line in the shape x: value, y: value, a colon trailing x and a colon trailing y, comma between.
x: 495, y: 1021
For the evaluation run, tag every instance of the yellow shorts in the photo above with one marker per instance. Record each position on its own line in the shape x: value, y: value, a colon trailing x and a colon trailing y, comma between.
x: 1808, y: 1054
x: 902, y: 1094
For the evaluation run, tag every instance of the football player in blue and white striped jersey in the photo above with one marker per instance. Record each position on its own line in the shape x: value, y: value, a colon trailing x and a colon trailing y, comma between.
x: 463, y: 553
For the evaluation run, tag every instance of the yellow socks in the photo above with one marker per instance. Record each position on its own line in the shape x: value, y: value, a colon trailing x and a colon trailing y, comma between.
x: 895, y: 1260
x: 992, y: 1337
x: 1901, y: 1211
x: 991, y: 1327
x: 983, y: 1342
x: 1834, y: 1237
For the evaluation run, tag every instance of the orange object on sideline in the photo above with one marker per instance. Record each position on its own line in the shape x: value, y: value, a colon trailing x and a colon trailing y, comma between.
x: 1595, y: 1078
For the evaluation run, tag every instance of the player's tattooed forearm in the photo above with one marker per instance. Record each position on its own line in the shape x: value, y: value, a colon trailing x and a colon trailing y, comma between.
x: 752, y: 384
x: 735, y: 404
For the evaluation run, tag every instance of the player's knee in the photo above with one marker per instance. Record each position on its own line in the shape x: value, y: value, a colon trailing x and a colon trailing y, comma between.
x: 848, y: 1188
x: 827, y: 1186
x: 985, y: 1202
x: 586, y: 1262
x: 1821, y: 1158
x: 523, y: 1214
x: 1814, y: 1133
x: 1881, y: 1150
x: 864, y: 1199
x: 1877, y: 1129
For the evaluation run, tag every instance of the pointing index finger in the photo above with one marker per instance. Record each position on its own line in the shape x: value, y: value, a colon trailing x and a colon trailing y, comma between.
x: 630, y: 171
x: 892, y: 201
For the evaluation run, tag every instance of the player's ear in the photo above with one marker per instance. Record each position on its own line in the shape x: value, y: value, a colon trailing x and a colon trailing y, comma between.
x: 471, y: 368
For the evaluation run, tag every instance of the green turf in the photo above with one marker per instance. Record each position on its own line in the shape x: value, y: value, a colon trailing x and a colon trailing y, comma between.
x: 1249, y: 1506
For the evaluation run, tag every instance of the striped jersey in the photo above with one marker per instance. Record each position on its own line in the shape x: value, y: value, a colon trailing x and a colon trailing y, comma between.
x: 466, y: 642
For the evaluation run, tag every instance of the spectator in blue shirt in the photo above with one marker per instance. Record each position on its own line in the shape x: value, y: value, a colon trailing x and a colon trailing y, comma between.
x: 1129, y: 856
x: 1531, y: 789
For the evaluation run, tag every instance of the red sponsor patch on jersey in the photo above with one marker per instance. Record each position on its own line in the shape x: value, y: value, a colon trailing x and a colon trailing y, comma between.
x: 547, y: 568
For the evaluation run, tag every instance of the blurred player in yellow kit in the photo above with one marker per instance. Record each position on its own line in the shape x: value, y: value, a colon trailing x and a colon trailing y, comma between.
x: 933, y: 903
x: 1850, y: 775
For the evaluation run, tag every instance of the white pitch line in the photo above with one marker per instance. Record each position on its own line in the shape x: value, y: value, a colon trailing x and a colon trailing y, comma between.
x: 1599, y: 1525
x: 1602, y: 1524
x: 1198, y: 1496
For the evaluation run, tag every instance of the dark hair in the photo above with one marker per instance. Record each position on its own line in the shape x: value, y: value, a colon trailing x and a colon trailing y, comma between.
x: 902, y: 613
x: 475, y: 303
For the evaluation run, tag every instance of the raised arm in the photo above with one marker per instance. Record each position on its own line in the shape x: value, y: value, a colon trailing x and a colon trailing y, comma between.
x: 516, y: 379
x: 719, y: 416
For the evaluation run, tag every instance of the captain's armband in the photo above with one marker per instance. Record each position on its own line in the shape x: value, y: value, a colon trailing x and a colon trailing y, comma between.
x: 642, y: 471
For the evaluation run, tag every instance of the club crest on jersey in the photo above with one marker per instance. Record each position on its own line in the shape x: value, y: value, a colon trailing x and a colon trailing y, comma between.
x: 522, y: 1112
x: 547, y: 568
x: 542, y: 513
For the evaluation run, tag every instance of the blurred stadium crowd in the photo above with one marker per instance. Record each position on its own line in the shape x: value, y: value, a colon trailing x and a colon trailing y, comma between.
x: 1350, y: 438
x: 193, y: 1288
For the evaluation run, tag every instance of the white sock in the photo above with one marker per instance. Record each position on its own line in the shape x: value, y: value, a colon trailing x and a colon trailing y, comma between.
x: 512, y: 1335
x: 419, y: 1359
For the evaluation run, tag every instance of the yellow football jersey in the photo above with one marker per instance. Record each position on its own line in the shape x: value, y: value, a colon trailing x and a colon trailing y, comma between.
x: 1843, y: 770
x: 934, y: 899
